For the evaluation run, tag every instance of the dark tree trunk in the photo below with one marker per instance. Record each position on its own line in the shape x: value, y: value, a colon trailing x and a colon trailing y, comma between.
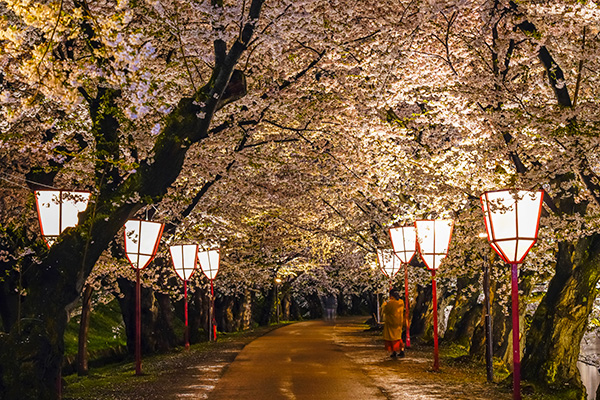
x: 420, y: 310
x: 84, y: 326
x: 198, y: 316
x: 224, y: 313
x: 464, y: 315
x: 268, y: 311
x: 558, y: 325
x: 157, y: 327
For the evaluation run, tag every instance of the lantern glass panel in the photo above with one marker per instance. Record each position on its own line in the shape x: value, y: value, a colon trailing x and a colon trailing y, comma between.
x: 141, y: 241
x: 433, y: 237
x: 209, y: 262
x: 184, y: 259
x: 404, y: 242
x: 389, y: 263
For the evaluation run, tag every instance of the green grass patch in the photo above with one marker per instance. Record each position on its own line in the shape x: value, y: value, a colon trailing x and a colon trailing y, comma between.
x: 107, y: 330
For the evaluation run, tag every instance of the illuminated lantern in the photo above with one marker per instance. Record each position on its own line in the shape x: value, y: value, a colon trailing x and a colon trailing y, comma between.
x: 209, y: 263
x: 184, y: 262
x: 141, y: 243
x: 512, y: 220
x: 389, y: 263
x: 404, y: 242
x: 433, y: 238
x: 59, y: 210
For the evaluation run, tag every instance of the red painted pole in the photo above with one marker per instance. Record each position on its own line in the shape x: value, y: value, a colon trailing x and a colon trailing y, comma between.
x: 515, y: 327
x: 138, y: 324
x: 212, y: 312
x: 406, y: 305
x: 436, y: 356
x: 187, y: 329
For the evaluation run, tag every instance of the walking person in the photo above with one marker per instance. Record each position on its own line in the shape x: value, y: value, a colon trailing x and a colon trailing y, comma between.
x: 393, y: 321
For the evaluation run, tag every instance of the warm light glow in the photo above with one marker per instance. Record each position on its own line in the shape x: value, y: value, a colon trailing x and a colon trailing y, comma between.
x: 433, y: 238
x: 59, y: 210
x: 209, y: 262
x: 404, y: 242
x: 512, y: 219
x: 141, y: 241
x: 184, y: 259
x: 389, y: 263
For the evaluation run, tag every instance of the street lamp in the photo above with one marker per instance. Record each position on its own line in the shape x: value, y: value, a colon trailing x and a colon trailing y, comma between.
x: 404, y: 242
x: 141, y: 243
x: 512, y: 220
x: 184, y: 262
x: 209, y: 262
x: 59, y: 210
x: 389, y: 263
x: 433, y: 238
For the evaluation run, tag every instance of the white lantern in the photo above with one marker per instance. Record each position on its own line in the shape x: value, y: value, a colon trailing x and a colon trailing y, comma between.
x: 404, y: 242
x: 433, y: 237
x: 59, y: 210
x: 184, y: 259
x: 512, y: 220
x: 209, y: 262
x: 389, y: 263
x: 141, y: 241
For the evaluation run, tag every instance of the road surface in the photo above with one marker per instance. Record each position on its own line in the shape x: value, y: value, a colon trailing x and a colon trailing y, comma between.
x: 299, y: 361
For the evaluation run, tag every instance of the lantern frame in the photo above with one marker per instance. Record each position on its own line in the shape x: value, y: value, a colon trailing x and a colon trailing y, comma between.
x: 144, y: 251
x: 204, y: 257
x: 433, y: 257
x: 404, y: 242
x: 382, y: 254
x: 524, y: 230
x: 66, y: 213
x: 181, y: 260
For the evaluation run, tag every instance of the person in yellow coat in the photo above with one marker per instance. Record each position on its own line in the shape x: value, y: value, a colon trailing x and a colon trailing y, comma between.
x: 393, y: 321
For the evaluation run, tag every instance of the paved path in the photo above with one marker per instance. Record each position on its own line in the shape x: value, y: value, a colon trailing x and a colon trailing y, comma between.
x: 300, y: 361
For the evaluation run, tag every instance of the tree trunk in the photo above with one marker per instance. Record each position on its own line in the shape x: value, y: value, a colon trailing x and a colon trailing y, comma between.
x: 156, y: 315
x: 464, y: 315
x: 198, y: 316
x: 559, y: 322
x: 84, y: 326
x: 420, y: 310
x: 247, y: 310
x: 268, y: 312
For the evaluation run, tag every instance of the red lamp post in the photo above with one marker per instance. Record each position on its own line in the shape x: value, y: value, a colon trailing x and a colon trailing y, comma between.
x: 209, y: 263
x: 141, y: 243
x: 512, y: 220
x: 404, y: 242
x: 433, y: 239
x: 184, y: 258
x: 59, y: 210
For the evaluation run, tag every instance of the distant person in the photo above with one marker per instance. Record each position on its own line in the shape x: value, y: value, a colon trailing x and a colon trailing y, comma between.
x: 393, y: 321
x: 330, y: 307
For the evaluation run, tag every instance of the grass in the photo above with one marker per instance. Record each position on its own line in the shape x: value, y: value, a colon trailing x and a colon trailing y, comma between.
x: 107, y: 330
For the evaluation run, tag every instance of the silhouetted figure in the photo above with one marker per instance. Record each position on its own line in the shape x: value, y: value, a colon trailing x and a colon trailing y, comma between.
x: 393, y: 321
